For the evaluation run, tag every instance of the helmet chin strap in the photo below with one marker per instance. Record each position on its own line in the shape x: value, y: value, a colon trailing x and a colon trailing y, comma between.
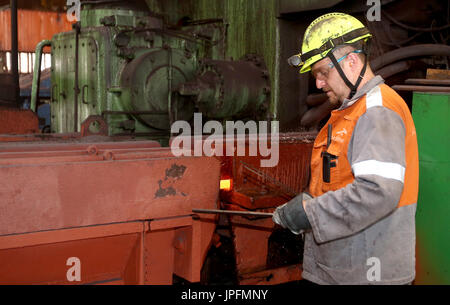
x: 353, y: 87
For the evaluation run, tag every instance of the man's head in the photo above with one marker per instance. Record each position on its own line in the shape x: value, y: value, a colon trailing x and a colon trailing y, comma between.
x: 351, y: 60
x: 334, y: 49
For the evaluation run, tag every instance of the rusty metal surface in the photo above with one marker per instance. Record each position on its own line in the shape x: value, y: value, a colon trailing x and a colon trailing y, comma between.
x: 38, y: 148
x: 94, y: 125
x: 151, y: 185
x: 123, y: 209
x: 255, y: 193
x: 18, y: 121
x: 255, y: 187
x: 47, y: 263
x: 110, y: 254
x: 269, y: 187
x: 251, y: 243
x: 63, y: 138
x: 33, y: 26
x: 253, y: 255
x: 7, y: 87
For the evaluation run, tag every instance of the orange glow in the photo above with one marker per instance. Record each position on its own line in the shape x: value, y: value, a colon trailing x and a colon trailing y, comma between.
x: 225, y: 185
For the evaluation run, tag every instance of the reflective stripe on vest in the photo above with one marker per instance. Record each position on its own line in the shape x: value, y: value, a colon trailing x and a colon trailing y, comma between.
x: 383, y: 169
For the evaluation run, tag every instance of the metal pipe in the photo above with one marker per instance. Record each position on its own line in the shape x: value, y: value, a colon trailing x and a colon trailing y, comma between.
x: 15, y: 52
x: 314, y: 115
x: 76, y: 27
x: 421, y: 88
x: 316, y: 99
x: 238, y: 213
x: 37, y: 73
x: 104, y: 113
x: 393, y: 69
x: 419, y: 50
x: 169, y: 83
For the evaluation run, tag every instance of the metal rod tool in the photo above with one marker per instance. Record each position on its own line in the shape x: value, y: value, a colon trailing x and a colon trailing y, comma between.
x: 239, y: 213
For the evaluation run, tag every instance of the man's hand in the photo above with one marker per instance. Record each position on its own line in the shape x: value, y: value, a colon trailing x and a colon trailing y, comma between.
x: 292, y: 216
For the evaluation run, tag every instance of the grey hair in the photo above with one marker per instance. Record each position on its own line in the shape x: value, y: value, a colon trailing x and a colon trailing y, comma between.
x: 341, y: 50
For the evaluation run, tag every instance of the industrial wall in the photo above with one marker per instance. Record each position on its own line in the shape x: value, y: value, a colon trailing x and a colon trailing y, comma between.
x: 34, y: 26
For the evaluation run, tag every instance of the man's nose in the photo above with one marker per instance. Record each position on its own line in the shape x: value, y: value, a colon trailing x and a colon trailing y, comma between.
x: 320, y: 83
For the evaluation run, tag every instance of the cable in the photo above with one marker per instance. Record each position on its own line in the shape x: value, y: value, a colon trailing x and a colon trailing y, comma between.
x: 411, y: 28
x: 400, y: 43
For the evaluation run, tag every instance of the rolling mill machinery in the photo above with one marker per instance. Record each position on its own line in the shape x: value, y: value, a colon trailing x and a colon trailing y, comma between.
x: 123, y: 63
x: 102, y: 199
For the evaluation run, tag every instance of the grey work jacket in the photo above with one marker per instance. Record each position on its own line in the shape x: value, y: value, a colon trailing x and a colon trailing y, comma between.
x: 380, y: 249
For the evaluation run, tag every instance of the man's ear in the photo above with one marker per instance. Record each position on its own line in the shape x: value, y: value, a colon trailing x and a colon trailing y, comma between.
x: 353, y: 60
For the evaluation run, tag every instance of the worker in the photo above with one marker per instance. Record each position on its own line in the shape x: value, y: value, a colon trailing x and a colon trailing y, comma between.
x: 358, y: 218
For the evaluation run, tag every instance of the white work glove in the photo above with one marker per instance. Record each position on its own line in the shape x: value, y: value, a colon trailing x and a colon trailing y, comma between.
x: 292, y: 216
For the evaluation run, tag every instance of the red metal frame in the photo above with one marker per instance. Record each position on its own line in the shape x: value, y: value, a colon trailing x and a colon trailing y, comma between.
x: 123, y: 209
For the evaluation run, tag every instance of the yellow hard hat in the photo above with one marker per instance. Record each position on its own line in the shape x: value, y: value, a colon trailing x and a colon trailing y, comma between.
x: 324, y: 34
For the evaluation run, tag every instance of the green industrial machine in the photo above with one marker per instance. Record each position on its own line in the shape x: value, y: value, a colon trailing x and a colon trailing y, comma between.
x: 431, y: 112
x: 125, y: 66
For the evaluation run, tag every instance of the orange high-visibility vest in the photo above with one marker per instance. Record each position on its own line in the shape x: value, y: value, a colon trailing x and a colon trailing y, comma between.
x: 343, y: 123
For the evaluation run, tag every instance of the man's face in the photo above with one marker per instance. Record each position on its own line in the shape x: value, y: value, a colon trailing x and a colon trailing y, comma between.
x: 329, y: 80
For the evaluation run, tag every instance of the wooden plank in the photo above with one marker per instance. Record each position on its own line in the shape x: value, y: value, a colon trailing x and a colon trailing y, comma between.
x: 438, y: 74
x: 431, y: 82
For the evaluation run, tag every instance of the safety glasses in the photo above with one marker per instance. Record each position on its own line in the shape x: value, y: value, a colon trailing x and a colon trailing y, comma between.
x: 331, y: 65
x: 322, y: 73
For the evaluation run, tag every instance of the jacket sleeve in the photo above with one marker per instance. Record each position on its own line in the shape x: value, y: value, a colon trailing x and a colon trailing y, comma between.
x: 376, y: 153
